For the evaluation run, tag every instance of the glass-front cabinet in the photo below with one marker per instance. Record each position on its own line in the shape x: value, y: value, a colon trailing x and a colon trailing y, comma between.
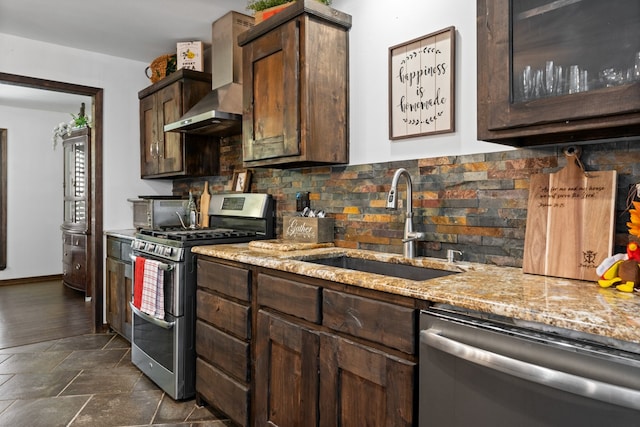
x: 76, y: 175
x: 552, y: 71
x: 76, y: 209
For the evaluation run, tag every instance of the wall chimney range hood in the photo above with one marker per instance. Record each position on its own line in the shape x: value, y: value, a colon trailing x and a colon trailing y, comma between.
x: 219, y: 113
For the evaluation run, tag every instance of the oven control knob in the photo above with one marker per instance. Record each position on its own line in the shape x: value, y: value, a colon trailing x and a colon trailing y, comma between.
x: 167, y: 251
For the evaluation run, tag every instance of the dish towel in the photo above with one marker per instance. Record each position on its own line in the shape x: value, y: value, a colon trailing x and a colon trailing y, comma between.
x: 153, y: 289
x: 138, y: 278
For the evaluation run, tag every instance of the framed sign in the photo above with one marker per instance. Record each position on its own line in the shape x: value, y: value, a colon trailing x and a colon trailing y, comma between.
x: 421, y: 85
x: 241, y: 181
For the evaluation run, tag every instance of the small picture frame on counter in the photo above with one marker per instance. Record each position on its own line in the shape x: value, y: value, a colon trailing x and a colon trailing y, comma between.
x: 241, y: 181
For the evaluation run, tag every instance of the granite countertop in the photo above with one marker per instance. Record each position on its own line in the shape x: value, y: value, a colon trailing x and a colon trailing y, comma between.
x: 572, y: 304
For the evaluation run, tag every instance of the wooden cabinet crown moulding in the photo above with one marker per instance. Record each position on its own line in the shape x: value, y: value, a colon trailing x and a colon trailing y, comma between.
x: 528, y: 51
x: 171, y: 154
x: 296, y: 88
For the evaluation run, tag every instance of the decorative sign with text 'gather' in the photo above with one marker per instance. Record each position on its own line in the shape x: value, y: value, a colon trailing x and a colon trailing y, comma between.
x: 421, y: 85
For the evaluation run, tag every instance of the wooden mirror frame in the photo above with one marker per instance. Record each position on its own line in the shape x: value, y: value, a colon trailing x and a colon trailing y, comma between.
x: 95, y: 260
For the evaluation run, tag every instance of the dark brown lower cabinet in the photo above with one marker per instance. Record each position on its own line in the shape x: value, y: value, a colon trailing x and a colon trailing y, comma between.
x: 119, y: 286
x: 280, y: 349
x: 362, y: 386
x: 74, y: 260
x: 223, y: 330
x: 286, y: 384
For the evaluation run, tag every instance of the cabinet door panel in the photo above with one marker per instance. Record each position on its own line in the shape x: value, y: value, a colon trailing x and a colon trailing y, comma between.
x: 506, y: 116
x: 363, y: 386
x: 170, y: 143
x: 271, y: 95
x: 286, y: 373
x: 127, y: 322
x: 148, y: 136
x: 115, y: 270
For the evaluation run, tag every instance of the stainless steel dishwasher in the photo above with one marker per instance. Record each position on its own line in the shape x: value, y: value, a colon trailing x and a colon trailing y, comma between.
x: 485, y: 370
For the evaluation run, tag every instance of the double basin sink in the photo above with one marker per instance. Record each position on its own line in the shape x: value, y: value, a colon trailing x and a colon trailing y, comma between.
x: 403, y: 271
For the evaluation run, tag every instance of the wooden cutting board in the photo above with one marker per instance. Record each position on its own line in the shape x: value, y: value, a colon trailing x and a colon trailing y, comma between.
x: 570, y: 222
x: 205, y: 198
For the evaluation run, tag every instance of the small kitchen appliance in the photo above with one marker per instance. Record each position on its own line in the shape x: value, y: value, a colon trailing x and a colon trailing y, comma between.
x: 158, y: 212
x: 164, y: 349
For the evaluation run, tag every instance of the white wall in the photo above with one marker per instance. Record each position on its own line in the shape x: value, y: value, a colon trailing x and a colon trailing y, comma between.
x: 121, y: 80
x: 34, y: 193
x: 375, y: 28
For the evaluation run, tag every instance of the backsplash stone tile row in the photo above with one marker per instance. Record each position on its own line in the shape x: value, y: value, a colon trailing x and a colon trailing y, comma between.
x: 475, y: 203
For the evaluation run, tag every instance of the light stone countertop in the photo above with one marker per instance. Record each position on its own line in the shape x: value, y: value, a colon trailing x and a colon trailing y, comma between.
x: 572, y: 304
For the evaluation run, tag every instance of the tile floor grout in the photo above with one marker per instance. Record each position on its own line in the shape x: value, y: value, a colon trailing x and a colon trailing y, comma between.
x: 37, y: 391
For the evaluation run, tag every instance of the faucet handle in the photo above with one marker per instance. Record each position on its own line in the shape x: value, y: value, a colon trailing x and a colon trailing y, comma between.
x: 451, y: 255
x: 413, y: 236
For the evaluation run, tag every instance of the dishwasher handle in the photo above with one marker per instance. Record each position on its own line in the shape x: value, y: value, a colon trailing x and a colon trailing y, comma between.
x: 564, y: 381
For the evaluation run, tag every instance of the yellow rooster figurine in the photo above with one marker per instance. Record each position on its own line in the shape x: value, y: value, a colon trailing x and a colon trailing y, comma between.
x: 623, y: 270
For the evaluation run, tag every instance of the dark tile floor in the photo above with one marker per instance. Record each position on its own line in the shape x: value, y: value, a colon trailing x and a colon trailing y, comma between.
x: 87, y: 380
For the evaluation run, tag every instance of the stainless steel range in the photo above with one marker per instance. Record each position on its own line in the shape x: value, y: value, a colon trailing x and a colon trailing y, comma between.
x: 164, y: 348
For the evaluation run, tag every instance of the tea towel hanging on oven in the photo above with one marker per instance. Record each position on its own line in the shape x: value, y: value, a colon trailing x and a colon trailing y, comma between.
x: 153, y: 289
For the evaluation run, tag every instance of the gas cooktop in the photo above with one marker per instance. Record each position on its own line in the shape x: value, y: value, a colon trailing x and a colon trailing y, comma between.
x: 196, y: 235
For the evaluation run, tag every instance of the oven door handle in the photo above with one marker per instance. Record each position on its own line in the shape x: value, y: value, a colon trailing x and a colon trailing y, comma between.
x: 162, y: 266
x: 158, y: 322
x: 589, y: 388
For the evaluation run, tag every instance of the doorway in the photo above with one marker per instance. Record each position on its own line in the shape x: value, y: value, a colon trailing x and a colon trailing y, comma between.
x: 95, y: 237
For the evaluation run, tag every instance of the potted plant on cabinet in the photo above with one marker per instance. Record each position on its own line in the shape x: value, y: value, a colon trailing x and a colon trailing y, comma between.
x: 264, y: 9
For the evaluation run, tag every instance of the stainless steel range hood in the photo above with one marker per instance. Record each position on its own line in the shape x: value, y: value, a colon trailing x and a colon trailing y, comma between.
x: 220, y: 112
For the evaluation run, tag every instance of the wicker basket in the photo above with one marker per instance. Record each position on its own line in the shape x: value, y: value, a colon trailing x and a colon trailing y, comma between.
x: 161, y: 67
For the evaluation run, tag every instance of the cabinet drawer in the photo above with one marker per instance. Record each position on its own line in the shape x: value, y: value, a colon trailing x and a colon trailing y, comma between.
x: 377, y: 321
x: 228, y: 280
x: 223, y: 313
x: 223, y: 350
x: 114, y: 248
x: 79, y: 240
x: 222, y: 392
x: 290, y: 297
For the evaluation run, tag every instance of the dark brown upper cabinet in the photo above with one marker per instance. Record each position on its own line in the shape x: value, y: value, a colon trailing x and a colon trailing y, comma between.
x: 168, y: 154
x: 557, y: 71
x: 296, y: 88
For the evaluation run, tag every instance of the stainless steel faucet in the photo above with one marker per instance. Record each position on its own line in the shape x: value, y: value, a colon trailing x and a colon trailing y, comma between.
x: 410, y: 236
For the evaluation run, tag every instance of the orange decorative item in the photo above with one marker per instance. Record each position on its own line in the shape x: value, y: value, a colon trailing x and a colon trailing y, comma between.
x: 261, y: 15
x: 161, y: 67
x: 624, y: 270
x: 634, y: 220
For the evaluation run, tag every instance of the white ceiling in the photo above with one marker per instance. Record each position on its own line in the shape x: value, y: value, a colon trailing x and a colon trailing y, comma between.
x: 135, y: 29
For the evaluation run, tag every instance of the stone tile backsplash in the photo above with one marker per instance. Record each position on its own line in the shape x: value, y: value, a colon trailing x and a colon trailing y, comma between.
x: 474, y: 203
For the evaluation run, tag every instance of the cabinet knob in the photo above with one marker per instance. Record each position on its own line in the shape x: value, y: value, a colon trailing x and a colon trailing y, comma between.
x: 78, y: 266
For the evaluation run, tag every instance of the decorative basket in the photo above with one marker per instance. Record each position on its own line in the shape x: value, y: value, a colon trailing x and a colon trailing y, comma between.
x: 161, y: 67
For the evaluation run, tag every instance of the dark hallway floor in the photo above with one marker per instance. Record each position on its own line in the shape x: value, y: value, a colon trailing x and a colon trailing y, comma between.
x: 55, y: 372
